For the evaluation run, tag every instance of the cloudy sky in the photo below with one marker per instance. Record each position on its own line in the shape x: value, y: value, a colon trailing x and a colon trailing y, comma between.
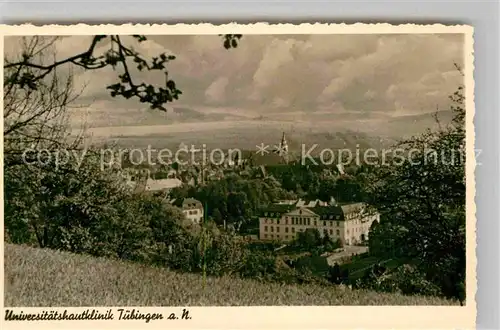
x: 302, y: 79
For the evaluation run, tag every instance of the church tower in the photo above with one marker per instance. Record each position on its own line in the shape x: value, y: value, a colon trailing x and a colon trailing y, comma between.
x: 282, y: 150
x: 283, y: 145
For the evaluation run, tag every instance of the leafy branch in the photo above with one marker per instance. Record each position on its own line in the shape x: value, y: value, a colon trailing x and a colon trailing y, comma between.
x: 26, y: 73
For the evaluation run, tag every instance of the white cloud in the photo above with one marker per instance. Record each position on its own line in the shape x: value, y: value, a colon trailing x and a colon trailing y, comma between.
x: 287, y: 73
x: 216, y: 92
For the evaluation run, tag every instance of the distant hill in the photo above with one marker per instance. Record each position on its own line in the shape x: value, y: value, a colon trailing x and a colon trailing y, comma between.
x: 377, y: 132
x: 249, y: 138
x: 40, y: 277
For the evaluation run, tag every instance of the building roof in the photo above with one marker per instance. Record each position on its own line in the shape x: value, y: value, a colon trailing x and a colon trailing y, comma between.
x: 304, y: 211
x: 286, y: 202
x: 310, y: 203
x: 328, y: 210
x: 156, y: 185
x: 353, y: 208
x: 278, y: 208
x: 325, y: 211
x: 188, y: 203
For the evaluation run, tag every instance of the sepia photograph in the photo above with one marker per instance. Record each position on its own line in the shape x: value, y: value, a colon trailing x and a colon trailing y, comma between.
x: 265, y: 168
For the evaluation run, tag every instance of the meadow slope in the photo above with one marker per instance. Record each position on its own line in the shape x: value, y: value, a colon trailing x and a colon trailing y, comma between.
x: 42, y: 278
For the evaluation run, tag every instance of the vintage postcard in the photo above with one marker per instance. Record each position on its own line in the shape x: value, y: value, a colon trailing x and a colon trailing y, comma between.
x: 278, y: 176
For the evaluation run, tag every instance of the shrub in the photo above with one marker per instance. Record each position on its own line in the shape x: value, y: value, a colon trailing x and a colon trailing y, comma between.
x: 259, y: 265
x: 406, y: 279
x: 316, y: 264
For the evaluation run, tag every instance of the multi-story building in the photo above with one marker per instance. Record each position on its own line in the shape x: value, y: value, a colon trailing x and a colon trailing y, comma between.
x: 350, y: 223
x: 193, y: 210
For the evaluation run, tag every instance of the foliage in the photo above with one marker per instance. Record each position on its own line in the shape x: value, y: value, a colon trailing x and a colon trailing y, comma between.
x: 405, y: 279
x: 234, y: 198
x: 316, y: 264
x: 334, y: 274
x: 36, y: 119
x: 311, y: 241
x: 225, y: 254
x: 52, y: 198
x: 27, y: 72
x: 422, y: 202
x: 259, y: 265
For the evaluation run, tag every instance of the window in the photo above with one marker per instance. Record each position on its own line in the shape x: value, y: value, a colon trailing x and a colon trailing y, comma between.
x: 286, y: 229
x: 265, y: 228
x: 265, y: 236
x: 278, y: 221
x: 338, y: 217
x: 300, y: 221
x: 272, y: 229
x: 324, y: 223
x: 286, y: 221
x: 338, y: 232
x: 201, y: 218
x: 331, y: 231
x: 272, y: 236
x: 293, y: 229
x: 286, y: 236
x: 277, y: 229
x: 331, y: 216
x: 308, y: 221
x: 338, y: 223
x: 265, y: 214
x: 315, y: 223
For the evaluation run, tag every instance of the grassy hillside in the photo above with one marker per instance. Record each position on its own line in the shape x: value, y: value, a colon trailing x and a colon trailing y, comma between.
x: 37, y: 277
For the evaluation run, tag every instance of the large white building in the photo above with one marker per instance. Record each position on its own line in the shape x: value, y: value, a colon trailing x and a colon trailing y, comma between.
x: 350, y: 223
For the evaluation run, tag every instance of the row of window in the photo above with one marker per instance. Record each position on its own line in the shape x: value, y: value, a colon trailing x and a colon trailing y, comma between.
x: 266, y: 229
x: 303, y: 222
x: 353, y: 239
x: 357, y: 230
x: 327, y: 216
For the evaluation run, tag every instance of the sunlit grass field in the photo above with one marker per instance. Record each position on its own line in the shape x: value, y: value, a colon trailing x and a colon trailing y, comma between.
x: 43, y: 278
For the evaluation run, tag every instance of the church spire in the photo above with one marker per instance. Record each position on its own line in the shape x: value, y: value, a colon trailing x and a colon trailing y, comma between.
x: 283, y: 145
x: 282, y: 149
